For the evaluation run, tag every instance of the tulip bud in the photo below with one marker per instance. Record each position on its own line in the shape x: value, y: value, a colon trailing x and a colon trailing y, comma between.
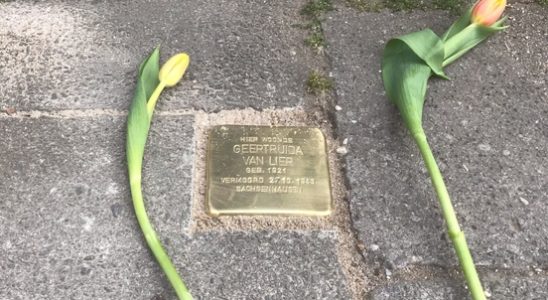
x: 487, y: 12
x: 172, y: 71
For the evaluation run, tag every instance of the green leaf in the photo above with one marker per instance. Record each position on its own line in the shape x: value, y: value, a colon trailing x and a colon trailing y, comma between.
x: 148, y: 72
x: 468, y: 38
x: 138, y: 121
x: 427, y: 46
x: 408, y: 62
x: 458, y: 26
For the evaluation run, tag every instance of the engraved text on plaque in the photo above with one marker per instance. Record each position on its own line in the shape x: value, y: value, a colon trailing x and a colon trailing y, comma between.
x: 267, y: 170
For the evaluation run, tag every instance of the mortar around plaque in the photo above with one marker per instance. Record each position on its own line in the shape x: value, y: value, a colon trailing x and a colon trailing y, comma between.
x: 267, y: 170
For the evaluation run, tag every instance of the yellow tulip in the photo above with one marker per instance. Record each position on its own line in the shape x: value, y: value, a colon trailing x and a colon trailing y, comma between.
x: 487, y: 12
x: 170, y: 73
x: 174, y: 69
x: 138, y: 126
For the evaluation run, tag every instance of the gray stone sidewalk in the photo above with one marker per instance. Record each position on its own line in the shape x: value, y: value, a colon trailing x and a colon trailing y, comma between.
x: 488, y: 127
x: 67, y: 227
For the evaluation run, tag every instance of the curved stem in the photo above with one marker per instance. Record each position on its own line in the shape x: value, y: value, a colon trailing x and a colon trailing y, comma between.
x: 151, y: 103
x: 455, y: 233
x: 153, y: 242
x: 151, y: 237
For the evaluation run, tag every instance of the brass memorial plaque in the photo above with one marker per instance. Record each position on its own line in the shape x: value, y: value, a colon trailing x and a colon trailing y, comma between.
x: 267, y: 170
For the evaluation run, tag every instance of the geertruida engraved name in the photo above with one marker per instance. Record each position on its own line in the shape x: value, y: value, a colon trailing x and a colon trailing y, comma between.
x: 267, y: 149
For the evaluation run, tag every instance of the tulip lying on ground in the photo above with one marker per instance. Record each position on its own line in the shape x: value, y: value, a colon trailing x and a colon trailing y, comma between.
x: 151, y: 82
x: 408, y: 62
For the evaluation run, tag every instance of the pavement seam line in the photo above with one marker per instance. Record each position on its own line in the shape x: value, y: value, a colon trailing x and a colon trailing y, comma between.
x: 349, y: 254
x: 85, y: 113
x: 350, y: 248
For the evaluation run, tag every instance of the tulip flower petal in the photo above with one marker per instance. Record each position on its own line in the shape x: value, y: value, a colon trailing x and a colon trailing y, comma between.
x: 487, y: 12
x: 174, y: 69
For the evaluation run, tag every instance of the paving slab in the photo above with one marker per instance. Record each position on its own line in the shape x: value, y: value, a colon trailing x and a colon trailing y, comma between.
x: 487, y: 127
x: 261, y: 265
x: 68, y: 231
x: 67, y: 224
x: 429, y: 290
x: 508, y: 288
x: 66, y: 55
x: 503, y: 288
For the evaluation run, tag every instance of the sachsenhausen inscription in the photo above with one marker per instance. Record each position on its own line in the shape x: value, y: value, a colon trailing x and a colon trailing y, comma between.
x: 267, y: 170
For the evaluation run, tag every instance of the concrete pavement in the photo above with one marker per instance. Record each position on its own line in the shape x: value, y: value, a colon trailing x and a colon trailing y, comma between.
x: 67, y: 227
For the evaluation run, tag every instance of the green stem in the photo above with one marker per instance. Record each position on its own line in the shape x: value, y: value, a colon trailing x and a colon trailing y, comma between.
x: 153, y: 242
x: 151, y: 103
x: 453, y: 46
x: 455, y: 233
x: 144, y: 222
x: 462, y: 42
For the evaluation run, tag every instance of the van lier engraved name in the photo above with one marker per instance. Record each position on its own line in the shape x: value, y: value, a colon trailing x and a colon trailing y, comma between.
x: 267, y: 149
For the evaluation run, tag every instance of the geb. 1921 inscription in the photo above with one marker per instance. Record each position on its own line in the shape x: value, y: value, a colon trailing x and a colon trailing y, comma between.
x: 267, y: 170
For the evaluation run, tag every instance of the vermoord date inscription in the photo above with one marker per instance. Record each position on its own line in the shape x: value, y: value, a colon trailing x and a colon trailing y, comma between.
x: 267, y: 170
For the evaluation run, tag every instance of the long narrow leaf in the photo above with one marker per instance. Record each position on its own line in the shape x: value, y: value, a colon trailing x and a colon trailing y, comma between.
x: 469, y: 38
x: 138, y: 121
x: 458, y: 26
x: 408, y: 62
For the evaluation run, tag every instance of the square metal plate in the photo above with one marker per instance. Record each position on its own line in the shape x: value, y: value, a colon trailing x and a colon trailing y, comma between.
x: 267, y: 170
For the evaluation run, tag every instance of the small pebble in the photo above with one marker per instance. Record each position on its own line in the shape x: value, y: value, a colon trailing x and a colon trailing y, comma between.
x: 374, y: 247
x: 337, y: 108
x: 353, y: 121
x: 345, y: 141
x: 342, y: 150
x: 484, y: 147
x: 10, y: 110
x: 505, y: 152
x: 388, y: 273
x: 524, y: 201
